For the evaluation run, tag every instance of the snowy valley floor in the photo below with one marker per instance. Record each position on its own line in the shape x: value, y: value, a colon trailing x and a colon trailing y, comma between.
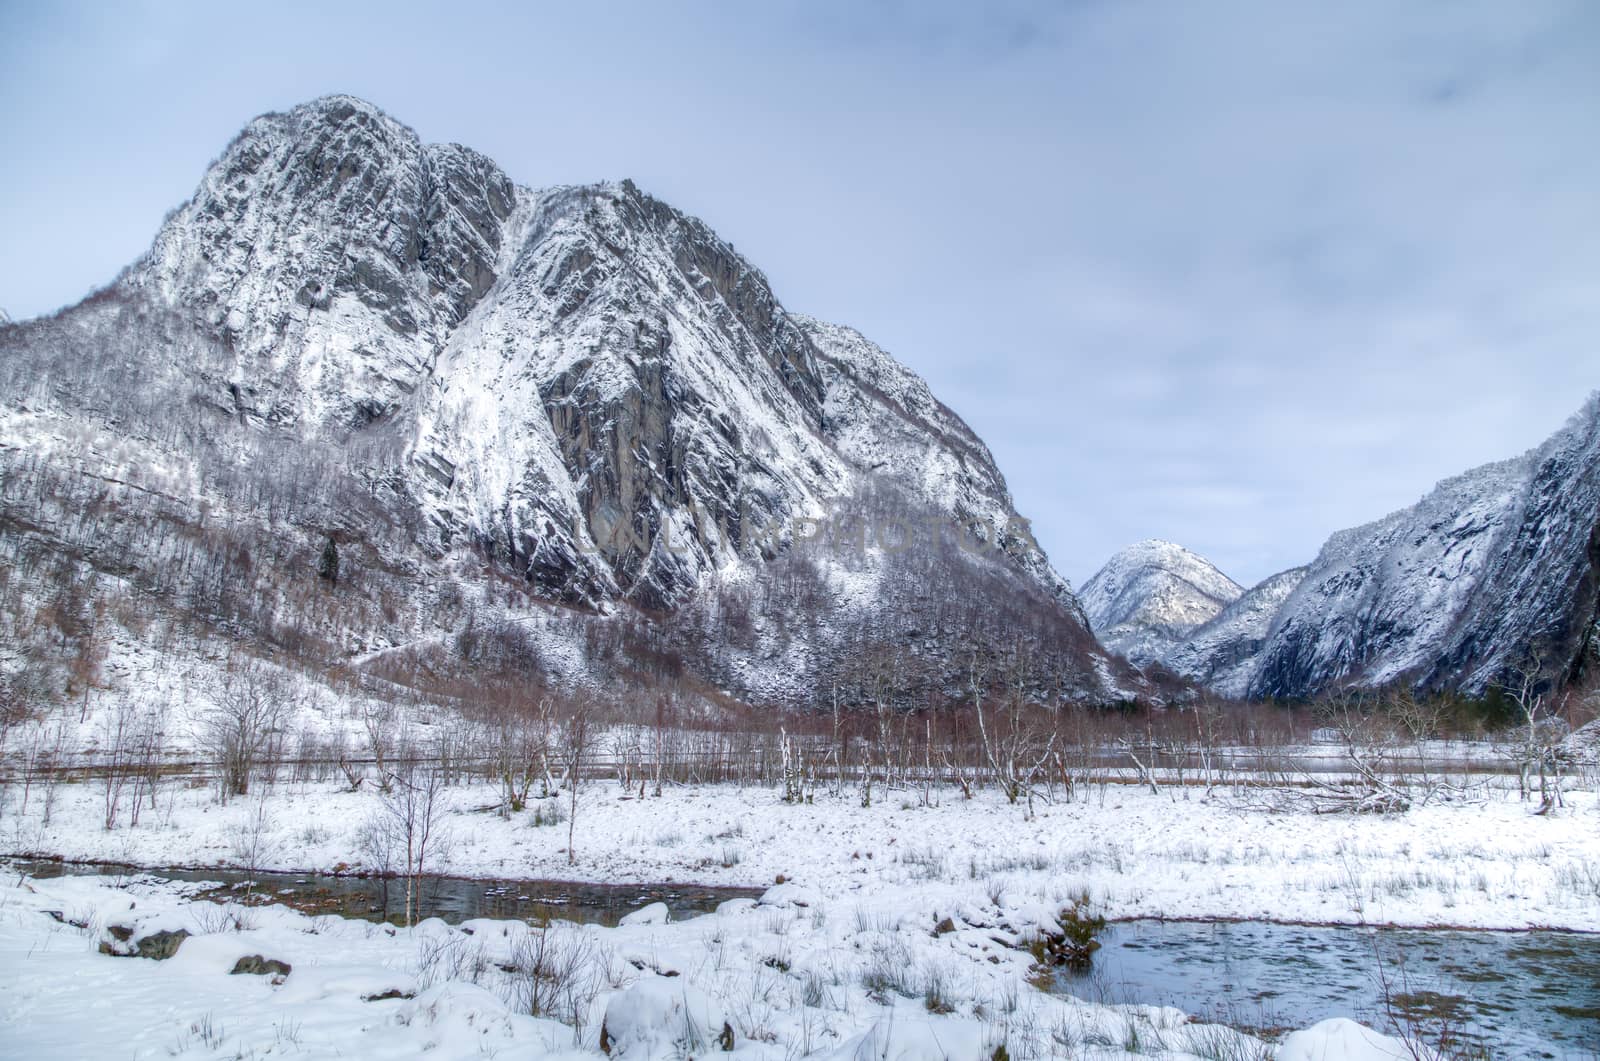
x: 844, y: 959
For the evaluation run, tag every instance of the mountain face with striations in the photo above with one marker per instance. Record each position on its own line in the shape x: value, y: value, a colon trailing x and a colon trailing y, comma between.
x: 573, y: 410
x: 1495, y: 571
x: 1147, y: 597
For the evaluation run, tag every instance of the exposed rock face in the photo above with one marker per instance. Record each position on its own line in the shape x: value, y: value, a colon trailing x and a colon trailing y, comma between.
x: 585, y: 387
x: 334, y: 253
x: 882, y: 418
x: 1496, y: 570
x: 668, y: 411
x: 587, y: 370
x: 1582, y: 745
x: 1150, y: 596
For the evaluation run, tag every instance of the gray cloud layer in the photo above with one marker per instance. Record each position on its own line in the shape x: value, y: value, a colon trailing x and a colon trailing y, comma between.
x: 1236, y: 274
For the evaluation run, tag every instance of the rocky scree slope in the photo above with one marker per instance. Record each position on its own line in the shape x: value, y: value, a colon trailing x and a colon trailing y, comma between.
x: 561, y: 408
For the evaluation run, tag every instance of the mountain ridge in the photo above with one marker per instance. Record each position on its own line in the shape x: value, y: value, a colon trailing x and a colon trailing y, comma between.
x: 1492, y: 573
x: 580, y: 387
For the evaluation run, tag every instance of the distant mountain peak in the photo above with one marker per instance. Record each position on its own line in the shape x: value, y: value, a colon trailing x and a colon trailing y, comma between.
x: 1150, y: 594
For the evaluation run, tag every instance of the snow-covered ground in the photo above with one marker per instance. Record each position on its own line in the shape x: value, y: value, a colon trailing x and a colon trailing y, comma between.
x: 1138, y: 854
x: 797, y: 974
x: 843, y: 958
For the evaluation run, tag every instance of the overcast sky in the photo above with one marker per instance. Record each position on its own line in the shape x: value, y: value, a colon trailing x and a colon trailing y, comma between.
x: 1234, y: 274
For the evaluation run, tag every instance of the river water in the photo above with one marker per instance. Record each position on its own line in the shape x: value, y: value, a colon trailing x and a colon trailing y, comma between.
x: 1518, y: 994
x: 454, y: 899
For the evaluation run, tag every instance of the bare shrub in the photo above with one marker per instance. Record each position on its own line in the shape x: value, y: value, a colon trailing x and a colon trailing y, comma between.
x: 557, y: 972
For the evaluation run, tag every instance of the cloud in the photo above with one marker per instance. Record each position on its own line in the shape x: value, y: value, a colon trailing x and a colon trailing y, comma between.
x: 1236, y: 274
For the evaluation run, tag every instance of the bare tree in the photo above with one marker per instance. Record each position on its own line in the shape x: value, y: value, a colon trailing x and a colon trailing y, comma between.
x: 116, y: 752
x: 659, y: 730
x: 240, y: 727
x: 42, y: 754
x: 575, y: 747
x: 520, y: 746
x: 380, y: 720
x: 794, y: 769
x: 149, y: 743
x: 1015, y: 749
x: 413, y: 805
x: 1207, y: 738
x: 253, y: 843
x: 1539, y: 734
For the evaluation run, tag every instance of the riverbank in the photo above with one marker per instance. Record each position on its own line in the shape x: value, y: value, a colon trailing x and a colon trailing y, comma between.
x: 795, y: 974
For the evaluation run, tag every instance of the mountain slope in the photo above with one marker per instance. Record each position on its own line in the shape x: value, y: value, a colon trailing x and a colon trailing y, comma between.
x: 1221, y: 653
x: 560, y: 414
x: 1493, y: 571
x: 1150, y: 595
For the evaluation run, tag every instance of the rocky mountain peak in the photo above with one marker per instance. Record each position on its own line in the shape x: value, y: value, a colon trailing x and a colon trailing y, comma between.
x: 580, y: 387
x: 333, y: 252
x: 1151, y: 593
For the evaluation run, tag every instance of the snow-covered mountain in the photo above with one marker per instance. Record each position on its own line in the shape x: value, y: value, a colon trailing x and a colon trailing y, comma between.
x: 523, y: 400
x: 1495, y: 570
x: 1149, y: 596
x: 1221, y: 653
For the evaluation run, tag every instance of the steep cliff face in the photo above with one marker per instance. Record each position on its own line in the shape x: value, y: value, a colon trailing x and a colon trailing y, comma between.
x: 581, y: 386
x: 1539, y: 598
x: 1148, y: 597
x: 885, y: 422
x: 602, y: 371
x: 1495, y: 570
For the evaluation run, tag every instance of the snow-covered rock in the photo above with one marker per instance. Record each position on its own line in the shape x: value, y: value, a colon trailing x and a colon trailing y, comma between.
x: 663, y: 1018
x: 1342, y: 1039
x: 580, y: 370
x: 905, y: 1037
x: 1220, y: 654
x: 651, y: 914
x: 788, y: 894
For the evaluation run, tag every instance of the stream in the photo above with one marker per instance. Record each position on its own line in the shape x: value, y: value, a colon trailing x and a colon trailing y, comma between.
x: 453, y: 899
